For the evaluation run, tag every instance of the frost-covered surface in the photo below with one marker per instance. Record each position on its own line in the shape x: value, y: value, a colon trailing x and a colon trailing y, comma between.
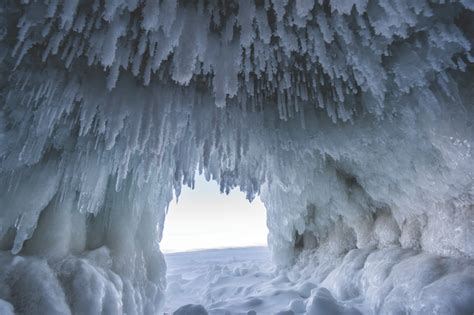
x: 215, y: 278
x: 352, y: 119
x: 387, y: 281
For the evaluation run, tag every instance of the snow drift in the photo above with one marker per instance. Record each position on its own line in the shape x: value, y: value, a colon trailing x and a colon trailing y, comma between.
x: 351, y: 119
x: 242, y: 281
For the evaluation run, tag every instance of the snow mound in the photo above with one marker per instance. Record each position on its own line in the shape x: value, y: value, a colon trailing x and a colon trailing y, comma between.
x: 191, y: 309
x: 6, y: 308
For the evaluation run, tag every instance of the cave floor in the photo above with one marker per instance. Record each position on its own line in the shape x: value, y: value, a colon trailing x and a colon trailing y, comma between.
x: 232, y: 281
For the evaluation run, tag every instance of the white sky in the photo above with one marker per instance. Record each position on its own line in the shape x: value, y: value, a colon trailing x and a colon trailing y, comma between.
x: 204, y: 218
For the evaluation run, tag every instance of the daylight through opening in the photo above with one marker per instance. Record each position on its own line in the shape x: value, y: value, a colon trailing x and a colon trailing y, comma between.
x: 205, y: 218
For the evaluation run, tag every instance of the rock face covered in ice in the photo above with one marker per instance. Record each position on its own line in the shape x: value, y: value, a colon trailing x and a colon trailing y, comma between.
x: 352, y: 119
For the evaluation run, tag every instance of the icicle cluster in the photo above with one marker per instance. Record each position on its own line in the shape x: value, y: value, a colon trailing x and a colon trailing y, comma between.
x: 108, y: 107
x: 338, y: 55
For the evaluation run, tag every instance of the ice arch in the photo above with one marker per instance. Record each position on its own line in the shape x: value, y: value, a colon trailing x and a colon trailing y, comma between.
x: 352, y: 119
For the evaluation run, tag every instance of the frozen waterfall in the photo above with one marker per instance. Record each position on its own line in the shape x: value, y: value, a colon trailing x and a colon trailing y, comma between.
x: 352, y: 119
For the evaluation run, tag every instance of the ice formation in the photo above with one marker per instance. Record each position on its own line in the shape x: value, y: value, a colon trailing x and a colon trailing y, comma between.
x: 352, y: 119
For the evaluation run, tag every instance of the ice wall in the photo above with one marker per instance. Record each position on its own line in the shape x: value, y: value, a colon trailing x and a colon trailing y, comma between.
x: 352, y: 119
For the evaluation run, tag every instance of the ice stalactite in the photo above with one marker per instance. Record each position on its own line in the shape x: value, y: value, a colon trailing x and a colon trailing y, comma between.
x: 352, y: 119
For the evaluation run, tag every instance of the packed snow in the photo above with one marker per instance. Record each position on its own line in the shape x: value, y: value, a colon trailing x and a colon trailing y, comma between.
x: 243, y: 280
x: 216, y: 278
x: 352, y: 120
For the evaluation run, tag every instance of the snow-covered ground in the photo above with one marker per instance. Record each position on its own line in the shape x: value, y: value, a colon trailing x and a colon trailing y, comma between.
x: 230, y: 281
x: 387, y: 281
x: 221, y: 279
x: 234, y: 281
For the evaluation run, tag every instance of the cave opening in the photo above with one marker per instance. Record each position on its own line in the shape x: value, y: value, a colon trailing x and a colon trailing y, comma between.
x: 205, y: 218
x: 210, y: 234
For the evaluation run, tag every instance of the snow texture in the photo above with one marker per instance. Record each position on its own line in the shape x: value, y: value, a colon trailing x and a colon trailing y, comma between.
x: 351, y: 119
x: 241, y: 281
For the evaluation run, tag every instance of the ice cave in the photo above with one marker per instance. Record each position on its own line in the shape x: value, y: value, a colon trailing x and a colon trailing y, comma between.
x: 352, y: 120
